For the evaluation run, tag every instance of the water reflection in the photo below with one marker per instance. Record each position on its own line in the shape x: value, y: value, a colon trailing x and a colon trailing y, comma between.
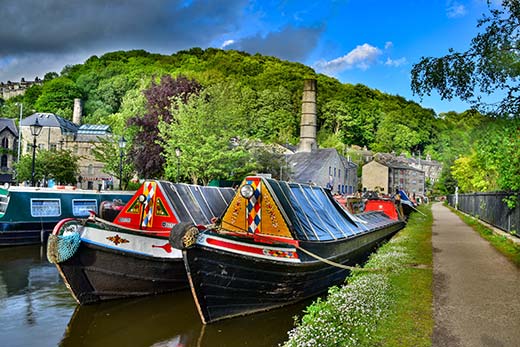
x: 171, y: 321
x: 36, y: 309
x: 33, y: 300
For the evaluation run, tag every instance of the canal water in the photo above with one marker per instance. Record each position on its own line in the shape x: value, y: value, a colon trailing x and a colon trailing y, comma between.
x: 36, y: 309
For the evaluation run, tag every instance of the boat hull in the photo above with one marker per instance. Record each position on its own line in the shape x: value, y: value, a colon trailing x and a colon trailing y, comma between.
x: 227, y: 284
x: 24, y: 233
x: 102, y: 270
x: 30, y: 214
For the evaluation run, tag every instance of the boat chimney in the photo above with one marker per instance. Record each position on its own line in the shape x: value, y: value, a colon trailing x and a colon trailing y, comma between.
x: 77, y: 113
x: 308, y: 122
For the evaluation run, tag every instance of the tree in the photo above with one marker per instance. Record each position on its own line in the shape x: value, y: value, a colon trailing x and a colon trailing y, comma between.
x: 107, y: 151
x: 490, y: 65
x: 145, y: 150
x: 62, y: 166
x: 57, y: 96
x: 208, y: 129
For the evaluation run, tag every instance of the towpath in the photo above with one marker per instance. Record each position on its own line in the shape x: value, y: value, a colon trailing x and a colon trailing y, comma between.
x: 476, y: 290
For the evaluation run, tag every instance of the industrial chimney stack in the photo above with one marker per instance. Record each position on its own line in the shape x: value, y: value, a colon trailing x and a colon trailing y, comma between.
x: 77, y: 112
x: 308, y: 122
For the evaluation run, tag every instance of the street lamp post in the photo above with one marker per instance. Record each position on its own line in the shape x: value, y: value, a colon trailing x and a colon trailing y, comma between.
x: 19, y: 132
x: 122, y: 145
x: 178, y: 153
x: 36, y: 128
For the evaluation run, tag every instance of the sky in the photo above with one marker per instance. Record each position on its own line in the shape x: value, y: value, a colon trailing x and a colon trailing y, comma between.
x: 372, y: 42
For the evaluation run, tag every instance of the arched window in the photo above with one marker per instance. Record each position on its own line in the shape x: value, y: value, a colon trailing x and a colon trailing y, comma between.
x: 5, y: 142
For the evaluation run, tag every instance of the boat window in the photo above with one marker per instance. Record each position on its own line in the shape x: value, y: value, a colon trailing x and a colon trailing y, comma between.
x: 45, y: 207
x: 82, y: 207
x: 4, y: 202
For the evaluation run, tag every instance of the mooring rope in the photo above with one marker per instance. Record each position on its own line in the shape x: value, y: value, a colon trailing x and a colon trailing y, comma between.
x: 332, y: 263
x: 355, y: 268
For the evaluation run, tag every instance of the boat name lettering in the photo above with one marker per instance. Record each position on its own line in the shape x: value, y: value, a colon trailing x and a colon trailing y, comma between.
x: 167, y: 225
x: 124, y: 220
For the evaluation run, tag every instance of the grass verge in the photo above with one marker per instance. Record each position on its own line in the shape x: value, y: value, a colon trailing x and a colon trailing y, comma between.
x: 500, y: 242
x: 390, y: 308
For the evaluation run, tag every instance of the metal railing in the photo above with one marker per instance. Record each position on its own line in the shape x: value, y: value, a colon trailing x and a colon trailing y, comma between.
x: 491, y: 208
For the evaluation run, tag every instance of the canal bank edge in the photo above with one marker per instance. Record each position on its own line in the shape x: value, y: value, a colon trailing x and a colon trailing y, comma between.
x: 392, y: 307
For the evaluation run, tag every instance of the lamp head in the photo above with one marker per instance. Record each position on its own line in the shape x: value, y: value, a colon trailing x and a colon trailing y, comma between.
x: 36, y: 128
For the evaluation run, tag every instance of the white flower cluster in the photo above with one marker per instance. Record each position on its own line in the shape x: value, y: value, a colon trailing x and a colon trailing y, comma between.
x: 350, y: 314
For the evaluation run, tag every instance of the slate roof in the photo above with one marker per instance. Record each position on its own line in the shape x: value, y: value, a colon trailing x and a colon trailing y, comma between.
x: 394, y: 162
x: 52, y: 121
x: 304, y: 165
x: 9, y: 124
x: 83, y: 133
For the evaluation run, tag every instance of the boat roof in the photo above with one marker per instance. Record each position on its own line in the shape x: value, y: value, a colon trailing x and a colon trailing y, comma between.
x: 166, y: 204
x: 296, y: 210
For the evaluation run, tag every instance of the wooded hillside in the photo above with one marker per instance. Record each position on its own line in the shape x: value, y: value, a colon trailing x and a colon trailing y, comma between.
x: 263, y: 95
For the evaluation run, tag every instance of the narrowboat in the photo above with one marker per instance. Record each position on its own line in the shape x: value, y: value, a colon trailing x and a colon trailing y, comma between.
x: 278, y: 243
x: 132, y: 256
x: 28, y: 214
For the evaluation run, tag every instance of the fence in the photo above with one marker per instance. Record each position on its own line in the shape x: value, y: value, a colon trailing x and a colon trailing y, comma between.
x: 491, y: 208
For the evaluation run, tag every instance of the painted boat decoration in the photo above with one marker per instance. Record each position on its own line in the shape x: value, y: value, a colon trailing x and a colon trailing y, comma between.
x: 132, y: 256
x: 278, y: 243
x: 28, y: 214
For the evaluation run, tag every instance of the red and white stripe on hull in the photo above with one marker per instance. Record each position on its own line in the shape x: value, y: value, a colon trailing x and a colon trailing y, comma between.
x: 263, y: 251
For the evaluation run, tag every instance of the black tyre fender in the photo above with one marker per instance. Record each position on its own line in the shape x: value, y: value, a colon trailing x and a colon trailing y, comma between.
x: 183, y: 235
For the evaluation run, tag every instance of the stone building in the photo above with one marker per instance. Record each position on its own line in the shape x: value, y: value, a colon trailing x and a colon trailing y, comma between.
x: 432, y: 168
x: 11, y: 89
x: 60, y: 134
x: 8, y: 150
x: 326, y: 168
x: 386, y: 173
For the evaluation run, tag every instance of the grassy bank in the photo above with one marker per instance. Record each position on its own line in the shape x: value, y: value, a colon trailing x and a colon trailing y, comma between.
x: 389, y: 307
x: 500, y: 242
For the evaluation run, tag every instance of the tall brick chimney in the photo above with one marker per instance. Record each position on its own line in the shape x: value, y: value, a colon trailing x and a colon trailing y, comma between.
x: 77, y: 112
x: 308, y: 122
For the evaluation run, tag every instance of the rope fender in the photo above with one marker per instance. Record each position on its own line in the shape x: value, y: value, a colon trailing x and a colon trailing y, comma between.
x: 62, y: 246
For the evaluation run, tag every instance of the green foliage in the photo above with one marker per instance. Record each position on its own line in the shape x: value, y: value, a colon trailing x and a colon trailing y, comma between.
x: 115, y: 159
x: 203, y: 130
x: 62, y: 166
x: 57, y: 96
x: 266, y: 94
x: 490, y: 65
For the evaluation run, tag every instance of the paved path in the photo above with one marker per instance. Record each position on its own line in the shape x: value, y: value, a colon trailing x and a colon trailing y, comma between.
x: 476, y: 291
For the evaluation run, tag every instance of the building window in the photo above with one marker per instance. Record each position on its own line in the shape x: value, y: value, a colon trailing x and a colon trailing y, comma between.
x: 330, y: 171
x: 5, y: 142
x: 339, y: 173
x: 53, y: 147
x: 90, y: 169
x: 3, y: 162
x: 334, y: 172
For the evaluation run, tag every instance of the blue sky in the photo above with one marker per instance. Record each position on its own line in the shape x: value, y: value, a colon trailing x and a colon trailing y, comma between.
x: 370, y: 42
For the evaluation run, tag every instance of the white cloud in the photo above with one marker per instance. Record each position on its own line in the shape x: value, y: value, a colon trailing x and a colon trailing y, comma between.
x: 361, y: 57
x: 455, y: 10
x: 227, y: 43
x: 396, y: 62
x: 389, y: 45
